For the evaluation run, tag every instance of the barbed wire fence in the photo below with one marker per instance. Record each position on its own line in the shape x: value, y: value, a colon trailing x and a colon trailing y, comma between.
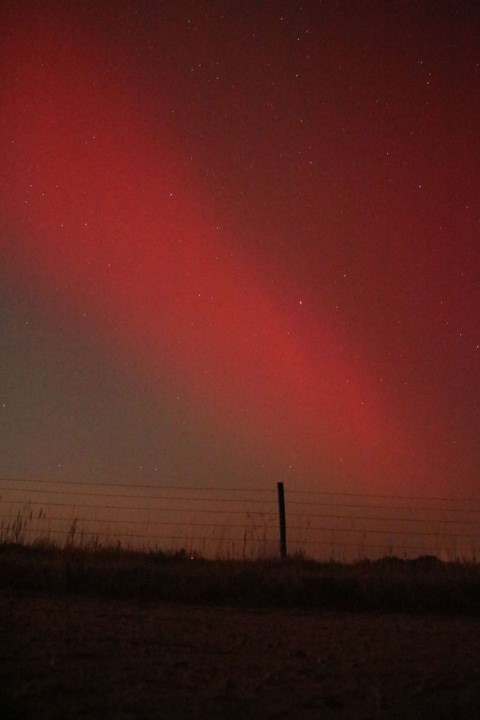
x: 238, y: 522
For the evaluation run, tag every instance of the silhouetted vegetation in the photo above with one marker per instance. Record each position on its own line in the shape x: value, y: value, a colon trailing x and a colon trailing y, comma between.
x: 391, y: 584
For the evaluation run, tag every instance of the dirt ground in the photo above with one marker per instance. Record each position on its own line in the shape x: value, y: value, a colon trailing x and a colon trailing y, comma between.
x: 68, y: 658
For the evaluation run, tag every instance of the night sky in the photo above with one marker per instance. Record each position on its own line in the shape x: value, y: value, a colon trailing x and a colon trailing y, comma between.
x: 240, y: 244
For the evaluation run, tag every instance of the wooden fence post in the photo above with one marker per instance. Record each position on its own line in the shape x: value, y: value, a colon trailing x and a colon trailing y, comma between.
x: 281, y: 518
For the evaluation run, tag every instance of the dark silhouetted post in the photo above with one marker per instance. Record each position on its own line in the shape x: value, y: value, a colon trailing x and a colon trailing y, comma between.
x: 281, y: 517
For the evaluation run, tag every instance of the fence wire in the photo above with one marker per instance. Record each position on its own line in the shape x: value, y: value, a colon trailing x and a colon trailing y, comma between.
x: 238, y: 521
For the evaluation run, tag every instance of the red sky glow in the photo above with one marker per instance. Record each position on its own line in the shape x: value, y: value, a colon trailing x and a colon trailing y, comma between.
x: 269, y: 216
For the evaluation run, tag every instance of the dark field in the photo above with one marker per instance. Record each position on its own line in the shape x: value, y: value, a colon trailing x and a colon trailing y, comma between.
x: 118, y: 635
x: 73, y: 657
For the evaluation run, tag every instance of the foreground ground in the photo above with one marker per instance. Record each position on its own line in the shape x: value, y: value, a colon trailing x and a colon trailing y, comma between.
x: 72, y: 657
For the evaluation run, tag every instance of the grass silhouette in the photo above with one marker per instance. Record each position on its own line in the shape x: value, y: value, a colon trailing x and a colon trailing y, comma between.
x: 391, y: 584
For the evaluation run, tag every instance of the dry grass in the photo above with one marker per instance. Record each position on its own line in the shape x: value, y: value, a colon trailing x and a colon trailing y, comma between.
x: 83, y: 565
x: 387, y: 585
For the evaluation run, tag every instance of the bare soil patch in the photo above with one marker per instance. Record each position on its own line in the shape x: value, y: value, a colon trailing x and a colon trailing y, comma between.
x: 76, y: 657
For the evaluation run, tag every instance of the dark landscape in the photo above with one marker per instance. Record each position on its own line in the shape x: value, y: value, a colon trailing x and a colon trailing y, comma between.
x: 111, y: 633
